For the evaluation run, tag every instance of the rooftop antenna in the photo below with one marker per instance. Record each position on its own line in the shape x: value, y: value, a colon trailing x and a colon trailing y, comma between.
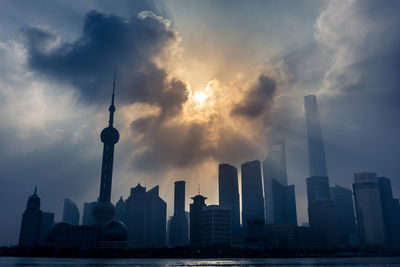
x: 198, y: 189
x: 112, y: 107
x: 34, y: 192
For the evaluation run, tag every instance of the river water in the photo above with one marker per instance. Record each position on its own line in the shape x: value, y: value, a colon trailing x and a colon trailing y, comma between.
x: 353, y: 262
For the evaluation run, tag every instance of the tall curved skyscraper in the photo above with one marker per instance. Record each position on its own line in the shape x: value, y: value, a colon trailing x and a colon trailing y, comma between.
x: 70, y: 212
x: 252, y: 193
x: 104, y: 210
x: 229, y: 191
x: 321, y: 209
x: 316, y: 149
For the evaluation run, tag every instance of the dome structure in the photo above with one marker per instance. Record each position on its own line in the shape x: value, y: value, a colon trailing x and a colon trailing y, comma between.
x: 109, y: 135
x: 114, y: 230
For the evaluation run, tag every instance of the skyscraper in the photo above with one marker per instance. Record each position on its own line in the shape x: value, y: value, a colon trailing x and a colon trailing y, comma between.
x: 390, y: 216
x: 199, y: 202
x: 103, y: 210
x: 146, y: 218
x: 30, y: 225
x: 343, y: 200
x: 229, y: 192
x: 280, y: 201
x: 368, y: 206
x: 88, y: 217
x: 178, y: 227
x: 252, y: 195
x: 321, y: 209
x: 35, y: 224
x: 316, y: 150
x: 70, y: 212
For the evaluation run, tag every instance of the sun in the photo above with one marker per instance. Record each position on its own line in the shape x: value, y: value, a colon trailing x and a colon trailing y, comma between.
x: 200, y: 97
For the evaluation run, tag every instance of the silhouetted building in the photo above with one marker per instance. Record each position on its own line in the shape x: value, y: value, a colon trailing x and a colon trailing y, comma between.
x: 195, y: 219
x: 70, y: 212
x: 228, y: 189
x: 368, y: 206
x: 120, y: 211
x: 146, y: 218
x: 252, y: 193
x: 103, y: 210
x: 35, y: 224
x: 46, y: 224
x: 282, y: 237
x: 178, y: 227
x: 67, y: 236
x: 280, y: 201
x: 389, y: 212
x: 88, y: 217
x: 321, y: 209
x: 316, y: 150
x: 216, y: 225
x: 343, y: 200
x: 318, y: 188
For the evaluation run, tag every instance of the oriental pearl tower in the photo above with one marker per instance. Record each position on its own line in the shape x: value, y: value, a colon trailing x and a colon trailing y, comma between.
x: 103, y: 210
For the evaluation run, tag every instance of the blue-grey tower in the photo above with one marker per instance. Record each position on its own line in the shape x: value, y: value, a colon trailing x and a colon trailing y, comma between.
x: 104, y: 210
x: 321, y: 209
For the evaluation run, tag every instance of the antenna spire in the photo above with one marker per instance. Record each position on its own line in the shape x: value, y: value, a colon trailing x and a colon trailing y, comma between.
x: 198, y: 189
x: 34, y: 192
x: 113, y: 92
x: 112, y: 107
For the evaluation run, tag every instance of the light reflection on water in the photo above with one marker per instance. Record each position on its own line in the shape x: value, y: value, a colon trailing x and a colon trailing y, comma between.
x: 353, y: 262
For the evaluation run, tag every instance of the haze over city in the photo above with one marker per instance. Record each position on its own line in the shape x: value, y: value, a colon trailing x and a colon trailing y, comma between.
x: 199, y: 83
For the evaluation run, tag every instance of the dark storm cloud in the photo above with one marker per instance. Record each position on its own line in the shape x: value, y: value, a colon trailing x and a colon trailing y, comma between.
x: 107, y: 40
x: 258, y: 99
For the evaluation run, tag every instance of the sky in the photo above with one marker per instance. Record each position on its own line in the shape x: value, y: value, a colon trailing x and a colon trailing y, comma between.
x: 198, y: 83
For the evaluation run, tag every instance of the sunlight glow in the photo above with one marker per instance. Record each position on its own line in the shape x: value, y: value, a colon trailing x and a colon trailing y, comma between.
x: 200, y: 97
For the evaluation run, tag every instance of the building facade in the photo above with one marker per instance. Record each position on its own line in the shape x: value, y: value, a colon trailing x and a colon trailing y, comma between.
x: 199, y: 202
x: 368, y: 207
x: 216, y: 225
x: 228, y: 189
x: 178, y: 226
x: 70, y: 212
x: 252, y: 193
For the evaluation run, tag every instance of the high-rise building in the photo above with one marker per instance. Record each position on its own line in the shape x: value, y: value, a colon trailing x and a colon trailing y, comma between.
x: 321, y: 209
x: 280, y: 202
x: 46, y: 224
x: 103, y: 210
x: 343, y: 200
x: 389, y: 211
x: 199, y: 202
x: 316, y: 150
x: 229, y: 192
x: 88, y: 217
x: 35, y: 224
x: 284, y: 205
x: 70, y: 212
x: 252, y: 195
x: 216, y: 225
x: 146, y: 218
x: 318, y: 188
x: 120, y: 211
x: 369, y: 212
x: 178, y: 227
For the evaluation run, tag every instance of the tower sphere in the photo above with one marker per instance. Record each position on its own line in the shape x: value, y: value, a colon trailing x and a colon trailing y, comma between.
x: 109, y: 135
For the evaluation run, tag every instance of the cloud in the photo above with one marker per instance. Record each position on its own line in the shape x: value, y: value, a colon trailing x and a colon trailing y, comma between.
x: 362, y: 38
x: 133, y: 45
x: 258, y: 99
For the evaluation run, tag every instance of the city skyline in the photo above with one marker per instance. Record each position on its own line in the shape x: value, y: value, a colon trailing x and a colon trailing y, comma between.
x: 192, y: 98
